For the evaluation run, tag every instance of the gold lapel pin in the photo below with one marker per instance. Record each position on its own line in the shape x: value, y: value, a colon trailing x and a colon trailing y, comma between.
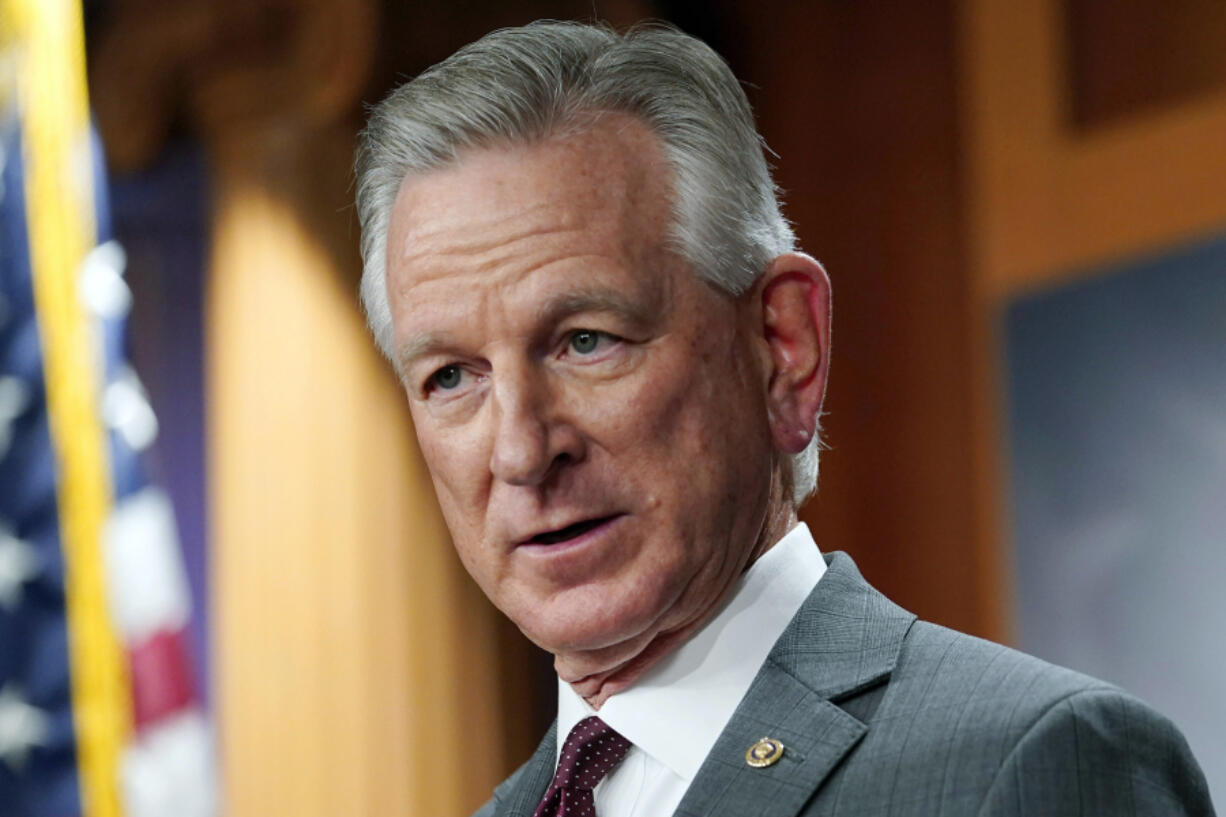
x: 765, y: 752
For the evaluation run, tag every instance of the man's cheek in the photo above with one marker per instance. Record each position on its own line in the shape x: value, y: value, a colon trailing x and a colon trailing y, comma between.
x: 614, y: 419
x: 463, y: 518
x: 650, y: 403
x: 453, y: 460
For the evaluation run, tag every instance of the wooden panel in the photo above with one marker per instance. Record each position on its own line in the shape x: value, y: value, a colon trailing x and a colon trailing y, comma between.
x: 355, y: 652
x: 1046, y: 201
x: 859, y: 100
x: 1133, y: 59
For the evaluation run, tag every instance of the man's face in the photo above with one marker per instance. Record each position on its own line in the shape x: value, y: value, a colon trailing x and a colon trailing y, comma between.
x: 592, y: 415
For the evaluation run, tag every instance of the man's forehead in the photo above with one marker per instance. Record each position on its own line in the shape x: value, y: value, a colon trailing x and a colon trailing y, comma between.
x: 614, y: 164
x: 559, y: 226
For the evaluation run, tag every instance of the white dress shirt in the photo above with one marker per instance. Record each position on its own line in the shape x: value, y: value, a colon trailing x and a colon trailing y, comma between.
x: 674, y: 712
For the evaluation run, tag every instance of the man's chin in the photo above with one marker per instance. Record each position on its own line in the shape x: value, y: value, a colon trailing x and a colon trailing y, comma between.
x: 596, y: 677
x: 596, y: 687
x: 595, y: 626
x: 576, y: 662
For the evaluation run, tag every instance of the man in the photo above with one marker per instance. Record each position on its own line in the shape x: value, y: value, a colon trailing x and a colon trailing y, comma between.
x: 615, y: 359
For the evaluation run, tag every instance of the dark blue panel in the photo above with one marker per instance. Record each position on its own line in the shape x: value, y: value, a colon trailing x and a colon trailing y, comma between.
x: 1118, y: 436
x: 161, y: 219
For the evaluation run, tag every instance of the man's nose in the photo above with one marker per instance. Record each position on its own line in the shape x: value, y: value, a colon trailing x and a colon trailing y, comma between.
x: 531, y: 440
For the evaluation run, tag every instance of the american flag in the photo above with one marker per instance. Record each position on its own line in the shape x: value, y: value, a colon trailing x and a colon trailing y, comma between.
x: 98, y: 715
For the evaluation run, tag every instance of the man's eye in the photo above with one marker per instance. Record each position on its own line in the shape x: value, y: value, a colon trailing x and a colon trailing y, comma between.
x: 585, y: 341
x: 448, y: 377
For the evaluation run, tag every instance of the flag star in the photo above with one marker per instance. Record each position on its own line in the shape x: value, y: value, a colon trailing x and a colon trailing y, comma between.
x: 126, y: 409
x: 102, y: 288
x: 22, y: 727
x: 14, y: 397
x: 18, y: 564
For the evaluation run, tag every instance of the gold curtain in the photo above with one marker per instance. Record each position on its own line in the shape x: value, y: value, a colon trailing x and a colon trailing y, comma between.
x: 355, y: 665
x: 354, y: 658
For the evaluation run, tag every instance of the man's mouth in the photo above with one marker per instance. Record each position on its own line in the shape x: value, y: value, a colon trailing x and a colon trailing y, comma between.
x: 569, y: 532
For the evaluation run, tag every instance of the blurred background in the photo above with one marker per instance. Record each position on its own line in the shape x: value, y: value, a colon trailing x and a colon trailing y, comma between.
x: 1022, y: 206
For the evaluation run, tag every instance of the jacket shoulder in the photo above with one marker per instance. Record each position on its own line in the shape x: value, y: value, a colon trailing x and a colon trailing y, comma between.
x: 963, y: 667
x: 987, y: 729
x: 1099, y: 751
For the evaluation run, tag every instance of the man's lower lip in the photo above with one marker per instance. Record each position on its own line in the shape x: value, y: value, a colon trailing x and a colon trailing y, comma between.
x: 586, y: 536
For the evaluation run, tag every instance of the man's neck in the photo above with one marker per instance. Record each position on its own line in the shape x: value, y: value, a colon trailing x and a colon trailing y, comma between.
x: 596, y: 689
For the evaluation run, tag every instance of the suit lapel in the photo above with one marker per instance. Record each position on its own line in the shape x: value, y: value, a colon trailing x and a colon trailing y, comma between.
x: 815, y: 733
x: 845, y: 639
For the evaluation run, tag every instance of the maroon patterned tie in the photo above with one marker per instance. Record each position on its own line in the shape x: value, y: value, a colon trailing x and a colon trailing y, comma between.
x: 591, y: 751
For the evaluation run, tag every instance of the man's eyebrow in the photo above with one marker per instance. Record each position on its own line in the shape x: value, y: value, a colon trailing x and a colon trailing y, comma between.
x: 551, y: 310
x: 596, y: 299
x: 421, y: 346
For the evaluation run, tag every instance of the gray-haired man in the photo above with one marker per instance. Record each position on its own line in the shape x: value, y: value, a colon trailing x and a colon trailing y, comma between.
x: 615, y: 360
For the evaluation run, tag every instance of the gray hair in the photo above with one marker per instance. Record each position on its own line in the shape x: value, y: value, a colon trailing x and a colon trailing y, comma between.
x: 524, y: 84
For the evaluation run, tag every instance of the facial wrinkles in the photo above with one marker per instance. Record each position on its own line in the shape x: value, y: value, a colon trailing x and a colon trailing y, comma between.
x: 508, y: 324
x: 476, y: 270
x: 597, y: 177
x: 690, y: 601
x: 441, y: 247
x: 502, y: 255
x: 638, y: 414
x: 719, y: 342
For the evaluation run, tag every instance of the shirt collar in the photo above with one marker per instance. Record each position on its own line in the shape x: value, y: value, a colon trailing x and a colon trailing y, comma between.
x: 676, y: 711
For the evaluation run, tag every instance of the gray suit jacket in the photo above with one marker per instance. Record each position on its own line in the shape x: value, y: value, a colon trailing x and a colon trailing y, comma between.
x: 881, y: 714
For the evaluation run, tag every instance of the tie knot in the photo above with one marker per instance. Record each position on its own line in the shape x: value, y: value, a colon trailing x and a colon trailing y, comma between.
x: 590, y: 752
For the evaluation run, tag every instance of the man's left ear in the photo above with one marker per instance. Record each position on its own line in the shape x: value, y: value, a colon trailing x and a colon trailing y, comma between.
x: 795, y: 299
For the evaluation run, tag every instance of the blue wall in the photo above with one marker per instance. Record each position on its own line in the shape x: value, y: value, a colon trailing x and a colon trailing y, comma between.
x: 1118, y: 483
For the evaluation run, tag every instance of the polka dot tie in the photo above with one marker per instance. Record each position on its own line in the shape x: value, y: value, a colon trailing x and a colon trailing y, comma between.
x: 591, y: 751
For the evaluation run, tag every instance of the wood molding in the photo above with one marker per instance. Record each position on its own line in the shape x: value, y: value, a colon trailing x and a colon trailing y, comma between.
x: 223, y: 65
x: 859, y: 100
x: 1048, y: 200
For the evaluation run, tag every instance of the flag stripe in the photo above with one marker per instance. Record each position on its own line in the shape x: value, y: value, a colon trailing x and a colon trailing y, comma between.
x: 59, y: 202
